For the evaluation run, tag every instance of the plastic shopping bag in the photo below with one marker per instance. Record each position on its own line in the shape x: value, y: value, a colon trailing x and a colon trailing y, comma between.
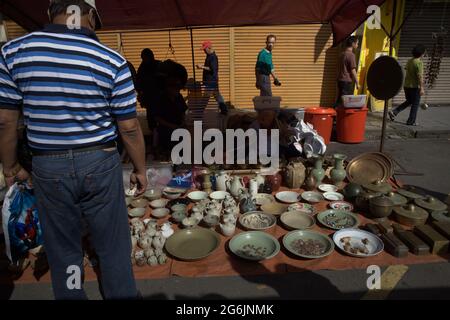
x: 21, y: 225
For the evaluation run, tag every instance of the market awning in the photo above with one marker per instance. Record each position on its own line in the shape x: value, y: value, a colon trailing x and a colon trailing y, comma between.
x: 343, y: 15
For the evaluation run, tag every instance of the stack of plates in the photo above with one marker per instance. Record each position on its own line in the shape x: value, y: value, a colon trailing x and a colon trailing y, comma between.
x: 369, y: 168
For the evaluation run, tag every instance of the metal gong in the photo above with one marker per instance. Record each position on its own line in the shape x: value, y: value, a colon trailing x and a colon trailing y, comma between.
x: 385, y: 78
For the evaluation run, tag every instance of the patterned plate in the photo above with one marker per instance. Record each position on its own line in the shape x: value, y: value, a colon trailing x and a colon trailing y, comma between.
x: 341, y: 205
x: 303, y: 207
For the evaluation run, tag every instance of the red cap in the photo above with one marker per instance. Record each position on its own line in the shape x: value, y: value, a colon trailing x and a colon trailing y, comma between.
x: 206, y: 44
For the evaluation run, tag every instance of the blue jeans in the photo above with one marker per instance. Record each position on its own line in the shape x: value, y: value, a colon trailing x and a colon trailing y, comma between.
x: 85, y: 187
x: 412, y: 96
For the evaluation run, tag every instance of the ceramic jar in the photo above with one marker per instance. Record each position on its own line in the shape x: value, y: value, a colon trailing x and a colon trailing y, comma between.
x: 338, y: 173
x: 275, y: 181
x: 318, y: 172
x: 228, y: 229
x: 295, y: 175
x: 261, y: 180
x: 310, y: 182
x: 247, y: 204
x: 253, y: 187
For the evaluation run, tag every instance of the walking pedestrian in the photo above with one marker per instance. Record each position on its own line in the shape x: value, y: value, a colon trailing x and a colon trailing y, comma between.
x: 76, y: 96
x: 211, y: 76
x: 265, y: 68
x: 414, y: 86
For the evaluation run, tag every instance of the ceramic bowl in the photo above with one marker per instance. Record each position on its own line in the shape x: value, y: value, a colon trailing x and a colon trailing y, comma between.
x: 160, y: 203
x: 192, y: 244
x: 356, y: 237
x: 170, y: 190
x: 288, y: 196
x: 341, y: 205
x: 160, y: 212
x: 139, y: 203
x: 197, y: 196
x: 254, y: 246
x: 312, y: 196
x: 137, y: 212
x: 263, y: 198
x: 189, y: 222
x: 184, y: 201
x: 178, y: 207
x: 303, y: 207
x: 338, y: 219
x: 130, y: 192
x: 333, y: 196
x: 128, y: 201
x: 297, y: 220
x: 292, y: 238
x: 257, y: 221
x: 152, y: 194
x: 328, y: 188
x: 178, y: 216
x: 274, y: 208
x: 218, y: 195
x: 172, y: 196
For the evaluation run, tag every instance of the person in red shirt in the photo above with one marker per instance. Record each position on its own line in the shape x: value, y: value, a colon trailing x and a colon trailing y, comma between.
x: 347, y: 76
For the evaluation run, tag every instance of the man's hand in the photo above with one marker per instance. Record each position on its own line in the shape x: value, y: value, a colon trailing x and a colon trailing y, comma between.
x: 257, y: 86
x: 199, y: 66
x: 139, y: 180
x: 22, y: 176
x: 422, y: 92
x: 357, y: 85
x: 277, y: 82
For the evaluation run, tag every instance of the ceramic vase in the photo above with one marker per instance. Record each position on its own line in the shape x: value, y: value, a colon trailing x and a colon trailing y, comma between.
x: 318, y: 172
x: 310, y: 182
x: 338, y: 174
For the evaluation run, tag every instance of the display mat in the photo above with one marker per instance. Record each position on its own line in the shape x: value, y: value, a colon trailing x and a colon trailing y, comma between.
x: 223, y: 263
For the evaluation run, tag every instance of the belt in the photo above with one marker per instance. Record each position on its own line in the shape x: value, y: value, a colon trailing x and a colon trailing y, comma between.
x: 108, y: 145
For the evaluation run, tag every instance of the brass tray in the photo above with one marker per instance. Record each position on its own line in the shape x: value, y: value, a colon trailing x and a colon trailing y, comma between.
x: 368, y: 168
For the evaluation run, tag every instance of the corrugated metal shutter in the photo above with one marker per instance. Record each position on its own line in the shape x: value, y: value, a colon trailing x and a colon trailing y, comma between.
x: 419, y: 29
x: 303, y: 59
x: 13, y: 30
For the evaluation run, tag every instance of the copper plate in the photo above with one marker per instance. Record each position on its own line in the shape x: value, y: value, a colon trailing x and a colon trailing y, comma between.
x: 367, y: 169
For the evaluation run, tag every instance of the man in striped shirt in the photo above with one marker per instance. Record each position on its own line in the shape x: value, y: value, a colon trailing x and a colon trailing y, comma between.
x: 76, y: 96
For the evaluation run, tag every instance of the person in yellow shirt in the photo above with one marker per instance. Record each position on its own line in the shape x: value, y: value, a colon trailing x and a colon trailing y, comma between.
x: 414, y: 86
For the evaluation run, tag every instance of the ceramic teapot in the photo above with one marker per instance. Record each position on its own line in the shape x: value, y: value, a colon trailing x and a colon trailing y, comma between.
x: 235, y: 186
x: 167, y: 230
x: 230, y: 218
x: 228, y: 229
x: 247, y: 204
x: 158, y: 242
x: 221, y: 181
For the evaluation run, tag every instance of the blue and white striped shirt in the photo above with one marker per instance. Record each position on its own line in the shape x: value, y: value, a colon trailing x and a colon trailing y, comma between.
x: 72, y: 88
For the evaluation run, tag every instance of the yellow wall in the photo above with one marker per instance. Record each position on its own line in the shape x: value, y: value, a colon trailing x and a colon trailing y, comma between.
x: 376, y: 40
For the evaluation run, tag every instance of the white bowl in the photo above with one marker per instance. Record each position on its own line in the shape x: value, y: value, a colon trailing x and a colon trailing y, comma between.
x: 375, y: 245
x: 197, y: 196
x: 328, y: 188
x: 160, y: 213
x: 219, y: 195
x: 333, y: 196
x: 160, y: 203
x: 288, y: 196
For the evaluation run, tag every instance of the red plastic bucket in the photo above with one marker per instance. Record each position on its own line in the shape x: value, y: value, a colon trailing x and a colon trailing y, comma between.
x: 351, y: 125
x: 322, y: 120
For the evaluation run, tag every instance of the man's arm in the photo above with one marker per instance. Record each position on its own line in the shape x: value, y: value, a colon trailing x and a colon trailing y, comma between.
x: 133, y: 140
x: 8, y: 151
x: 421, y: 82
x: 355, y: 78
